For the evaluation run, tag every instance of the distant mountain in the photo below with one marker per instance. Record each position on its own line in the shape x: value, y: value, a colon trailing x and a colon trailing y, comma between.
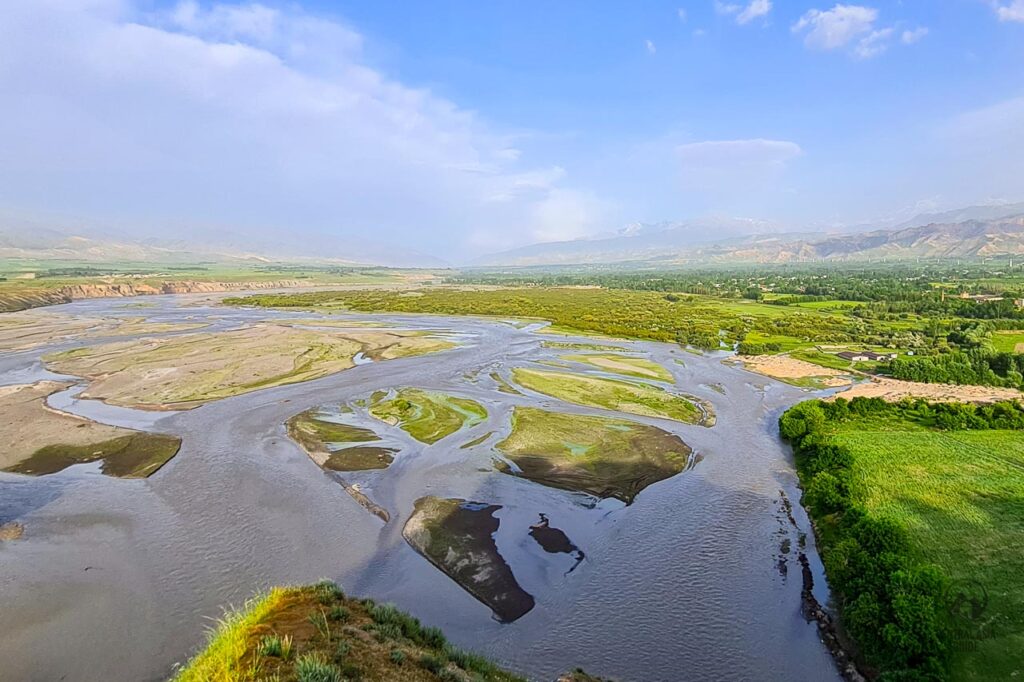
x: 199, y: 245
x: 975, y: 232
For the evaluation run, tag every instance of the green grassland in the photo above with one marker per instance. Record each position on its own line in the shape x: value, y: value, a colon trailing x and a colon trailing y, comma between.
x: 702, y: 321
x: 1008, y: 341
x: 318, y: 634
x: 961, y: 497
x: 623, y: 364
x: 919, y: 510
x: 610, y: 394
x: 598, y: 455
x: 427, y: 416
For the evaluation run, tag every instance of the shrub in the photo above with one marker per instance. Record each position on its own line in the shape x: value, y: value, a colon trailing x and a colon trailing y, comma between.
x: 397, y: 656
x: 432, y: 663
x: 339, y: 613
x: 270, y: 645
x: 313, y: 668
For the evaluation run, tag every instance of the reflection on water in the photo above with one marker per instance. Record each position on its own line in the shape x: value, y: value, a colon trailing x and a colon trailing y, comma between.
x: 682, y: 584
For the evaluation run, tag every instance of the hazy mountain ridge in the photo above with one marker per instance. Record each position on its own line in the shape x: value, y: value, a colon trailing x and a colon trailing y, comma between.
x: 192, y: 246
x: 975, y: 236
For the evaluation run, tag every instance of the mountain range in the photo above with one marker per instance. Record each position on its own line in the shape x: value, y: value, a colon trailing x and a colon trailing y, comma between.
x: 968, y: 233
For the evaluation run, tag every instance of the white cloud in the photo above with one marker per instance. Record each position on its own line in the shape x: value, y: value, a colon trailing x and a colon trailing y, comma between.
x: 851, y: 27
x: 744, y: 14
x: 1011, y: 12
x: 651, y: 47
x: 681, y: 13
x: 873, y: 44
x: 835, y: 28
x: 251, y: 117
x: 726, y: 8
x: 757, y: 8
x: 734, y: 165
x: 910, y: 37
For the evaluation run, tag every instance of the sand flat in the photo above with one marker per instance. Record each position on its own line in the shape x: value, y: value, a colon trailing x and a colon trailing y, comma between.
x: 188, y: 370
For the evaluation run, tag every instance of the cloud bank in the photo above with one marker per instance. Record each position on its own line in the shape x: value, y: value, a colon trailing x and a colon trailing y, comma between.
x: 254, y: 116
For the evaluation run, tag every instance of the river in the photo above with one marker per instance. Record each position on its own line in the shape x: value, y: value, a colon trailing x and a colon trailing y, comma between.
x: 698, y: 579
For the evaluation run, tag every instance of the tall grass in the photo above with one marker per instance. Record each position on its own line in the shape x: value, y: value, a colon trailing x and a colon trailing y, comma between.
x: 221, y: 660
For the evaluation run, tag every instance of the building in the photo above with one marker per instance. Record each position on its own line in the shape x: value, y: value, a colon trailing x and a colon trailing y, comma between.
x: 853, y: 356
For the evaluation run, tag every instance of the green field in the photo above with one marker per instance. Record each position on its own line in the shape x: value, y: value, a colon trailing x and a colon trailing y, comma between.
x: 427, y: 416
x: 610, y: 394
x: 1008, y: 341
x: 961, y: 496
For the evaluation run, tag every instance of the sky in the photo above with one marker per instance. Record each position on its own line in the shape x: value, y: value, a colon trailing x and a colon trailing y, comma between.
x: 459, y: 127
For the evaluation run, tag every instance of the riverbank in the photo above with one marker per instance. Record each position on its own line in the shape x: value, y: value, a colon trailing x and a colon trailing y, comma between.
x: 318, y: 634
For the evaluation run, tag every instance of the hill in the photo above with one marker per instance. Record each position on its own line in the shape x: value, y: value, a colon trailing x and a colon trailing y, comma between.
x: 682, y: 243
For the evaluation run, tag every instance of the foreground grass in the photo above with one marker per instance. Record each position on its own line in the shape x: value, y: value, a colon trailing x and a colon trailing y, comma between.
x: 317, y: 634
x: 601, y: 456
x: 427, y: 416
x: 609, y: 394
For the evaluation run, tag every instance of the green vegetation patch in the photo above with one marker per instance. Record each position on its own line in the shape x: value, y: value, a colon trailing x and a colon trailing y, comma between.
x: 458, y: 538
x: 610, y: 394
x: 920, y: 514
x: 315, y: 429
x: 427, y: 416
x: 360, y: 458
x: 623, y: 364
x: 136, y: 455
x: 317, y: 634
x: 597, y: 455
x: 1008, y: 341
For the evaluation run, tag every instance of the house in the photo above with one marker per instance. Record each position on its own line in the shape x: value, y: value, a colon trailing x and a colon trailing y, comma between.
x: 881, y: 357
x: 853, y: 356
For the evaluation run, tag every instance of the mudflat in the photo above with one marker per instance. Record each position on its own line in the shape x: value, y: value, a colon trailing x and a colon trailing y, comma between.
x: 186, y: 371
x: 41, y: 440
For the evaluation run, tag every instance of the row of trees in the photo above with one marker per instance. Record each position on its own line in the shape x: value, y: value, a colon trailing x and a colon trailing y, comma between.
x: 977, y: 366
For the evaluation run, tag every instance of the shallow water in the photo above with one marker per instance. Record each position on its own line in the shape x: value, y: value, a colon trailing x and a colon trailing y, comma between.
x: 116, y: 579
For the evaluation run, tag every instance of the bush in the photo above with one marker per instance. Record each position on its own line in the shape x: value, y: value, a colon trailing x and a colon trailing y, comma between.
x: 313, y: 668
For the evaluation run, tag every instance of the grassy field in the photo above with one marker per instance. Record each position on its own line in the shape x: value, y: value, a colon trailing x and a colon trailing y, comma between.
x: 427, y: 416
x: 317, y: 634
x: 610, y: 394
x: 623, y: 364
x: 331, y: 443
x: 604, y: 457
x: 702, y: 321
x: 1008, y: 341
x: 961, y: 496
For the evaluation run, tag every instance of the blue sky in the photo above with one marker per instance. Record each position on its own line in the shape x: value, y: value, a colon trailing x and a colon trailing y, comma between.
x: 458, y: 128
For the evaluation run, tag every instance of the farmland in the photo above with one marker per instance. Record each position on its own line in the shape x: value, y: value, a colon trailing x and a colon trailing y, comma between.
x: 945, y: 485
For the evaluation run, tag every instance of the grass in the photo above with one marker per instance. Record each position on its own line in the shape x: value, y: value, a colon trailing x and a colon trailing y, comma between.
x: 596, y: 455
x: 822, y: 359
x: 273, y: 638
x: 610, y: 394
x: 702, y: 321
x: 427, y: 416
x: 136, y: 455
x: 1008, y: 341
x: 623, y: 364
x: 960, y: 495
x: 338, y: 446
